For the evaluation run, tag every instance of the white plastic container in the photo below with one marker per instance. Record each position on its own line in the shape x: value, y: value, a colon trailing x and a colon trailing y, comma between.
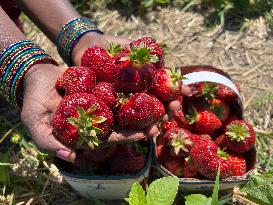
x: 204, y: 73
x: 114, y: 187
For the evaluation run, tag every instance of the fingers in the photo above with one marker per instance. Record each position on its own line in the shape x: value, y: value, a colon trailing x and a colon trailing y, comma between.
x: 41, y: 132
x: 152, y: 131
x: 186, y: 90
x: 124, y: 136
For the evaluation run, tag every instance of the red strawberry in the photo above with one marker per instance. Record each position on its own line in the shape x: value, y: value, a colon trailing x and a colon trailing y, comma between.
x: 239, y: 137
x: 156, y: 49
x: 159, y: 108
x: 174, y: 165
x: 179, y: 141
x: 181, y: 120
x: 189, y: 169
x: 83, y: 165
x: 107, y: 93
x: 237, y: 165
x: 225, y: 93
x: 207, y: 157
x: 76, y: 79
x: 101, y: 61
x: 101, y: 154
x: 167, y: 84
x: 203, y: 90
x: 127, y: 160
x: 205, y: 121
x: 220, y: 108
x: 135, y: 71
x: 81, y: 118
x: 138, y: 112
x: 167, y: 125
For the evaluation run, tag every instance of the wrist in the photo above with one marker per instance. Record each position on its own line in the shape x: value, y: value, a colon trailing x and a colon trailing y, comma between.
x: 87, y: 40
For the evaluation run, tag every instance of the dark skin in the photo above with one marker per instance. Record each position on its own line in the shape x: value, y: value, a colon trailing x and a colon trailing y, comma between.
x: 41, y: 99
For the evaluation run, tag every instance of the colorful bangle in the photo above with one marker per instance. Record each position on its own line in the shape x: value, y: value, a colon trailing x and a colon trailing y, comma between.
x: 70, y: 34
x: 15, y: 61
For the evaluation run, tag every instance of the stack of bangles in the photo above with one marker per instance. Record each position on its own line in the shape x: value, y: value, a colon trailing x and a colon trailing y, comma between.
x: 19, y: 57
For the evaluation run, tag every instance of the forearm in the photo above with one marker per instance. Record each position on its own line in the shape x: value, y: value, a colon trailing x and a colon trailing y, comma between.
x: 49, y: 15
x: 9, y: 33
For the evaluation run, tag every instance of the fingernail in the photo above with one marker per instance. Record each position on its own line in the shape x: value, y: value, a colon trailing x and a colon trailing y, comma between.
x: 66, y: 155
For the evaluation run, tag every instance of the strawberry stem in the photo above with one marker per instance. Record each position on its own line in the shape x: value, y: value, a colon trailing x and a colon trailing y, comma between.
x: 192, y: 115
x: 222, y: 154
x: 114, y: 49
x: 237, y: 132
x: 175, y: 75
x: 208, y: 91
x: 87, y: 130
x: 142, y: 55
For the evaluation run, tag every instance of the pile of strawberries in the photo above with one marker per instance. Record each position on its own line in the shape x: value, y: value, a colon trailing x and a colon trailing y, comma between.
x: 123, y: 91
x: 205, y: 133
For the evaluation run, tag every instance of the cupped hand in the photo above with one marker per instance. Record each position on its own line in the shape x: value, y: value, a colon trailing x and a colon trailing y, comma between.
x: 94, y: 38
x: 41, y: 100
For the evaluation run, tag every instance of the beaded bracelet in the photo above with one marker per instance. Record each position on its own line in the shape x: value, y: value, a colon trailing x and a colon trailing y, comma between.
x: 71, y: 33
x: 15, y: 61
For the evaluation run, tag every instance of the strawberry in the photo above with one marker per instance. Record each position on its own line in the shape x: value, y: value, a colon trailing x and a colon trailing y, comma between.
x: 207, y: 157
x: 181, y: 119
x: 225, y: 93
x: 107, y: 93
x: 189, y: 169
x: 135, y: 70
x: 174, y: 165
x: 239, y: 137
x: 237, y: 165
x: 167, y: 125
x: 76, y: 79
x: 138, y: 112
x: 129, y: 159
x: 205, y: 121
x: 213, y: 90
x: 159, y: 107
x: 101, y: 61
x: 81, y: 118
x: 101, y: 154
x: 156, y: 49
x: 83, y: 165
x: 179, y: 141
x: 220, y: 108
x: 167, y: 84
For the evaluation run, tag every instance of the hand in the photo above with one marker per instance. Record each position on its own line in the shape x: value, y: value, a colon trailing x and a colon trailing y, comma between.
x: 93, y: 38
x: 41, y: 100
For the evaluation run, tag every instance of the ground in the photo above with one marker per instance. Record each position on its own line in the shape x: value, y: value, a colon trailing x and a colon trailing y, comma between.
x: 246, y: 55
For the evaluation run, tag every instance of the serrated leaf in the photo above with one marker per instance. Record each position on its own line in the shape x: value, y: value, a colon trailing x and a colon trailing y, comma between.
x: 215, y: 200
x: 162, y: 191
x: 262, y: 195
x: 197, y: 199
x: 137, y: 195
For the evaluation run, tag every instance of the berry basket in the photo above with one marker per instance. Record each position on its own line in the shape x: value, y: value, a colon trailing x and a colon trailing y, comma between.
x: 109, y: 187
x: 201, y: 74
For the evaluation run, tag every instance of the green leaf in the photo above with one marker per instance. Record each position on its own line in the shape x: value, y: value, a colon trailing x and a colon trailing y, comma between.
x: 148, y: 3
x: 4, y: 174
x: 216, y: 188
x: 137, y: 195
x: 162, y: 1
x: 162, y: 191
x: 197, y: 199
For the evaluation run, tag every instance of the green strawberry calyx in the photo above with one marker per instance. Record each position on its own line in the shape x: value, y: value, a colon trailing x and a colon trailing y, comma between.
x: 222, y: 154
x: 208, y: 91
x: 192, y: 115
x: 175, y: 76
x: 114, y: 49
x: 237, y: 132
x: 86, y: 123
x: 180, y: 141
x: 141, y: 54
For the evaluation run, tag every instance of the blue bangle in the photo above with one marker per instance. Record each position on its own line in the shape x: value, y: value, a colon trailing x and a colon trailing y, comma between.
x: 70, y: 34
